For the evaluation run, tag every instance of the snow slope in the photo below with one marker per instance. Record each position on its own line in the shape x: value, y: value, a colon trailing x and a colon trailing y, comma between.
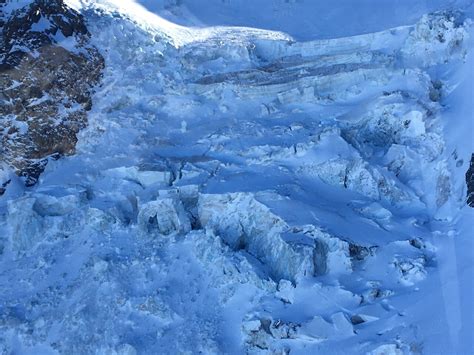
x: 302, y: 19
x: 240, y: 190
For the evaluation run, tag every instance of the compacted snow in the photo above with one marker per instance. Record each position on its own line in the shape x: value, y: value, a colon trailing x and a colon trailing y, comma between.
x: 275, y: 187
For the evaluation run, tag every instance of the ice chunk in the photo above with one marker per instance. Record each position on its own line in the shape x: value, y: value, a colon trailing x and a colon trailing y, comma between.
x: 342, y: 325
x: 331, y: 255
x: 375, y: 211
x: 318, y: 328
x: 360, y: 179
x: 165, y: 216
x: 99, y: 220
x: 284, y: 330
x: 339, y: 327
x: 414, y: 123
x: 238, y: 217
x: 286, y: 291
x: 245, y: 223
x: 24, y: 223
x: 263, y: 333
x: 46, y: 205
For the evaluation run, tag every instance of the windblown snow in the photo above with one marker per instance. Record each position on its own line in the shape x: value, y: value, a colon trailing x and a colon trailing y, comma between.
x: 240, y: 190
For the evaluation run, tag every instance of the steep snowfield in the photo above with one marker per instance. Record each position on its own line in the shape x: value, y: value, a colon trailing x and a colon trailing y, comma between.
x: 240, y: 190
x: 303, y: 20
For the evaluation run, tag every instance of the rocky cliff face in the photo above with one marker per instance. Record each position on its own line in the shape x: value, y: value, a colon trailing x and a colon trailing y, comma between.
x: 47, y: 73
x: 470, y: 183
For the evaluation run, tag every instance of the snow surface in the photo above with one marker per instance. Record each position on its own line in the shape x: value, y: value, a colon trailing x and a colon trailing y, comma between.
x: 240, y: 190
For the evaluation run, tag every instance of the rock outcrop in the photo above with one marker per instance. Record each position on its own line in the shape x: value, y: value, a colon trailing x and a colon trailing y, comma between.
x: 48, y: 69
x: 470, y: 183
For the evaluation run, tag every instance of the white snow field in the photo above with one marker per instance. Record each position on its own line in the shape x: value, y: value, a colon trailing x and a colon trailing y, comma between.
x: 257, y: 177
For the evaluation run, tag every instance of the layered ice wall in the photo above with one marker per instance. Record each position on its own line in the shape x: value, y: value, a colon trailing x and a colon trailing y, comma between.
x: 238, y: 190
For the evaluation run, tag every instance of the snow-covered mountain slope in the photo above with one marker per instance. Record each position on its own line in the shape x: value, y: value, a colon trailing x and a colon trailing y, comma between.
x: 244, y: 190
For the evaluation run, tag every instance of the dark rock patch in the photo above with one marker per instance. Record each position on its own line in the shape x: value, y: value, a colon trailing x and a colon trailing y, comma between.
x: 470, y: 183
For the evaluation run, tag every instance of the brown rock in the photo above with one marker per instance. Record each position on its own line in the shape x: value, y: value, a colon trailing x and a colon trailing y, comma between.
x: 43, y: 83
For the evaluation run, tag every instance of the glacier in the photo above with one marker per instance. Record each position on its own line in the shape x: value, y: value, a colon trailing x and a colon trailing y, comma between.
x: 255, y: 177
